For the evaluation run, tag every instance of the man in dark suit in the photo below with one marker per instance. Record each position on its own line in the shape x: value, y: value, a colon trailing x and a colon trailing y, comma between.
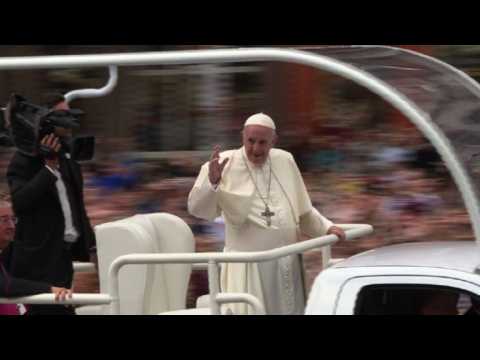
x: 53, y: 227
x: 11, y: 286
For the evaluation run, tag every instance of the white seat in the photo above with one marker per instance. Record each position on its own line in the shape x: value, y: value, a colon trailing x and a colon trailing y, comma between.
x: 145, y: 289
x: 113, y: 240
x: 203, y: 301
x: 171, y: 235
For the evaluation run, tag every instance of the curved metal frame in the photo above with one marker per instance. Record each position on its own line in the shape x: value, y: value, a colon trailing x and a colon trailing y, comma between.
x: 398, y: 100
x: 89, y: 93
x: 391, y: 95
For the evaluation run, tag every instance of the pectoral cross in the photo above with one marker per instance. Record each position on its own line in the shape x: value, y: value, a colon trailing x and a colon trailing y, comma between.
x: 268, y: 214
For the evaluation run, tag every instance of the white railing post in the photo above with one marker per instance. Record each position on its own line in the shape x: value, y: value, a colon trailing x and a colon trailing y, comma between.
x: 114, y: 285
x: 214, y: 286
x: 326, y: 256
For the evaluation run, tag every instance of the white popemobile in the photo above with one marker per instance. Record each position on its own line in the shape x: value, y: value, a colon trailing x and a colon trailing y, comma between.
x: 401, y: 280
x: 440, y: 277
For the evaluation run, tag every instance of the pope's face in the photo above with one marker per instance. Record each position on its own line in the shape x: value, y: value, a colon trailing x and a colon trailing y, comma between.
x: 258, y: 140
x: 7, y: 226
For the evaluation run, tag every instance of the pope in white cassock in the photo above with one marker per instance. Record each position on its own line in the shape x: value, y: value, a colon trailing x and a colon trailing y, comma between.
x: 261, y: 195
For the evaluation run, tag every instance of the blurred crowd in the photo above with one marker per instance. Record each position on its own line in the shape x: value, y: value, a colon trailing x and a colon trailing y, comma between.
x: 393, y: 180
x: 401, y: 188
x: 362, y: 162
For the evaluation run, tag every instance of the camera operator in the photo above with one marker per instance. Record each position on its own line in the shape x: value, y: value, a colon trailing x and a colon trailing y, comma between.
x: 47, y: 196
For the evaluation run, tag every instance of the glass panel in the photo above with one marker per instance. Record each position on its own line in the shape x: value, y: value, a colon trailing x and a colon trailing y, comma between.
x: 451, y: 100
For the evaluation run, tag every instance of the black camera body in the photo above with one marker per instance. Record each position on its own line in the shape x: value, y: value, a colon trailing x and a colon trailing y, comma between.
x: 24, y: 124
x: 81, y: 148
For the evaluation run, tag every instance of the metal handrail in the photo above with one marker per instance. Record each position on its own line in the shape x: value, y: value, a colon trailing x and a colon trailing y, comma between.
x: 212, y: 259
x: 84, y: 267
x: 215, y: 258
x: 77, y: 299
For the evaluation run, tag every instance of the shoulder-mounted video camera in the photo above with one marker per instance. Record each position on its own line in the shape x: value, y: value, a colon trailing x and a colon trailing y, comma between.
x: 24, y: 124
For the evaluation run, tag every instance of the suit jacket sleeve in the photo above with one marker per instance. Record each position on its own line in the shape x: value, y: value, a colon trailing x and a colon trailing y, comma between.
x: 14, y: 287
x: 27, y: 193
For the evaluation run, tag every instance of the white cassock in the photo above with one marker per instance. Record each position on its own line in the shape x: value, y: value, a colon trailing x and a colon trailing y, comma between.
x: 277, y: 284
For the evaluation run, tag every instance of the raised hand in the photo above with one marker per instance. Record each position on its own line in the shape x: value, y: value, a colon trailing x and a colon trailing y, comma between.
x: 51, y: 144
x: 215, y: 168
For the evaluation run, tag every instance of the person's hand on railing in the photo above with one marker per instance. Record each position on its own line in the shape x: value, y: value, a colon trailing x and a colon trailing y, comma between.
x: 335, y: 230
x: 61, y: 294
